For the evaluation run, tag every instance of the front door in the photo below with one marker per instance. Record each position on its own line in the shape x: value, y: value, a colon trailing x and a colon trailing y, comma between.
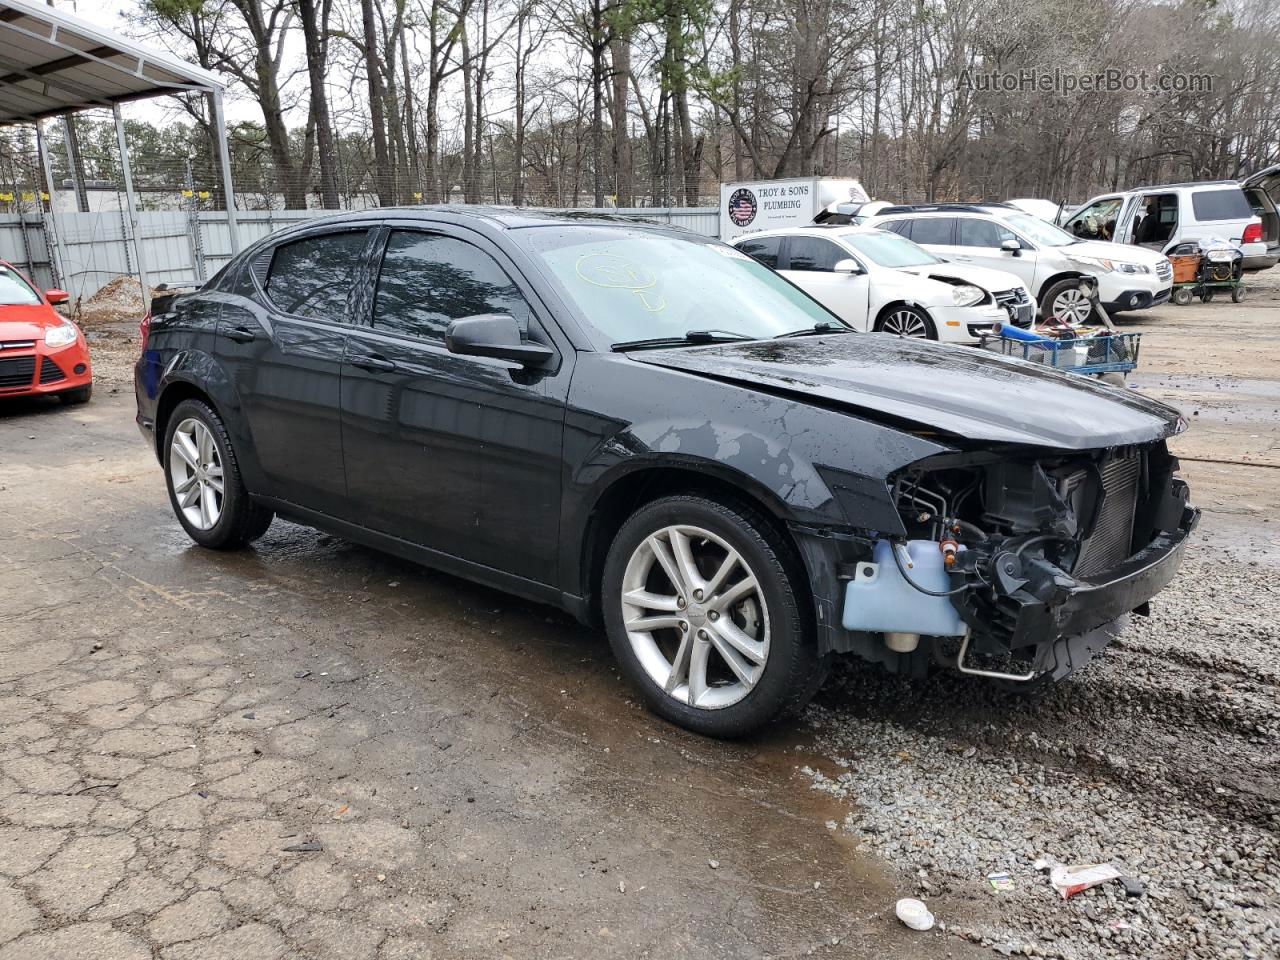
x: 458, y: 454
x: 810, y: 265
x: 980, y: 241
x: 282, y: 345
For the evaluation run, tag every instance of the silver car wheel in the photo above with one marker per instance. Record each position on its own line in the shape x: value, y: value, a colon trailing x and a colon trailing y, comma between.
x: 695, y: 617
x: 905, y: 323
x: 195, y: 474
x: 1072, y: 305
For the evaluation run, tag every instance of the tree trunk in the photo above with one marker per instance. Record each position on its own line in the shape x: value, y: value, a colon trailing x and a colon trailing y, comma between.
x: 623, y: 171
x: 598, y: 45
x: 313, y: 35
x: 381, y: 158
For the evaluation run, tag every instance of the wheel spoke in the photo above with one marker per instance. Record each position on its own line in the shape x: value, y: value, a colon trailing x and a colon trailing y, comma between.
x: 186, y: 450
x: 666, y: 561
x: 181, y: 488
x: 206, y: 507
x: 205, y: 445
x: 651, y: 601
x: 649, y: 624
x: 717, y: 578
x: 680, y: 664
x: 215, y: 483
x: 684, y: 558
x: 191, y: 494
x: 733, y: 635
x: 698, y: 670
x: 725, y: 601
x: 734, y: 660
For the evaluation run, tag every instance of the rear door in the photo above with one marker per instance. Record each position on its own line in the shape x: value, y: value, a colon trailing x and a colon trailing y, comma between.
x: 810, y: 265
x: 458, y: 454
x: 283, y: 349
x: 1217, y: 211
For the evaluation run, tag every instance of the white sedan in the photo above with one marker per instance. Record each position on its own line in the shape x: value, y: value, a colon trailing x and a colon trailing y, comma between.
x: 880, y: 281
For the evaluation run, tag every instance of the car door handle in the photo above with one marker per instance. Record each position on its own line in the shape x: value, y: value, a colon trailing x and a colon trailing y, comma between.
x: 240, y: 334
x: 373, y: 363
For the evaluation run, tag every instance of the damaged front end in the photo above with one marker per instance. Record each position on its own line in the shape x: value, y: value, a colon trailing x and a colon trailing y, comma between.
x: 1014, y: 564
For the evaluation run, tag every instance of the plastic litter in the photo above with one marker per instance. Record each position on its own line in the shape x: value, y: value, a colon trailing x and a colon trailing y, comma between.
x: 914, y: 914
x: 1001, y: 882
x: 1069, y: 881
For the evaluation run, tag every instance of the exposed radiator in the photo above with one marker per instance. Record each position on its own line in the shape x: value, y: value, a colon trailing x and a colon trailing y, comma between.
x: 1112, y: 535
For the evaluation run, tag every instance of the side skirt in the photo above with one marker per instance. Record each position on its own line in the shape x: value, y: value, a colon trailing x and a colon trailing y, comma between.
x: 436, y: 559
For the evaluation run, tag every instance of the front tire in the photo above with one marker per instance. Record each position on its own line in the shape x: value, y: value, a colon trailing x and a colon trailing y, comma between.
x: 73, y: 398
x: 1066, y: 301
x: 206, y: 490
x: 704, y: 611
x: 904, y: 321
x: 1182, y: 296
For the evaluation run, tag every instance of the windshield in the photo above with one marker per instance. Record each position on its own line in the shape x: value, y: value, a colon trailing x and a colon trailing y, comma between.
x: 14, y: 291
x: 633, y: 284
x: 890, y: 249
x: 1045, y: 234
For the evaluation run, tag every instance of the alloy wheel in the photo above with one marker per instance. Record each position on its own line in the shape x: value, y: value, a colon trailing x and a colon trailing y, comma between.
x: 905, y: 323
x: 1072, y: 305
x: 195, y: 473
x: 695, y: 616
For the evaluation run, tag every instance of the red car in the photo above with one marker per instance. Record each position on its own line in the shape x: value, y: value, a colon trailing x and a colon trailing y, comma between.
x: 41, y: 352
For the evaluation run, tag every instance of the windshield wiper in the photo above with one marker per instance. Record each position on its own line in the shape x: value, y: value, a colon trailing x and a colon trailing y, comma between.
x: 691, y: 336
x: 822, y: 326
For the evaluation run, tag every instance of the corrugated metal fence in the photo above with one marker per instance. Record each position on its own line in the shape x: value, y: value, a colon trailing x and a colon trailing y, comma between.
x: 181, y: 247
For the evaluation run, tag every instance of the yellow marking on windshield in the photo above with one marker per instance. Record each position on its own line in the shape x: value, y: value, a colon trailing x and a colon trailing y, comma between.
x: 613, y: 272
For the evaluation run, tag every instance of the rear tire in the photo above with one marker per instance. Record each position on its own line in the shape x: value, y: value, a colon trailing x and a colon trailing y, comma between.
x: 73, y: 398
x: 206, y: 490
x: 1182, y: 296
x: 1238, y: 295
x: 725, y: 646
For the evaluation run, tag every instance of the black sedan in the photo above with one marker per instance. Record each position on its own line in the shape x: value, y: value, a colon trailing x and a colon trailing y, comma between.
x: 651, y: 430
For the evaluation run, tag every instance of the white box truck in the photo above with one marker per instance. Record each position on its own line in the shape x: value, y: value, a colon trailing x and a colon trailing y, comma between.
x: 754, y: 205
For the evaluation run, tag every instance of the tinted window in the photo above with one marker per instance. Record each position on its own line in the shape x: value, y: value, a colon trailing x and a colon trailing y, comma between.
x: 814, y: 254
x: 312, y: 277
x: 1225, y: 204
x: 932, y: 230
x: 971, y: 232
x: 427, y: 281
x: 902, y: 227
x: 764, y: 249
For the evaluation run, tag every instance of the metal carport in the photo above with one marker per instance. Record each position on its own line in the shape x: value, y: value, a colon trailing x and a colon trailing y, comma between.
x: 53, y: 63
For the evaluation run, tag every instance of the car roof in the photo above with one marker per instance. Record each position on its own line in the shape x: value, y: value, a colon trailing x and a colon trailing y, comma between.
x: 807, y: 229
x: 503, y: 217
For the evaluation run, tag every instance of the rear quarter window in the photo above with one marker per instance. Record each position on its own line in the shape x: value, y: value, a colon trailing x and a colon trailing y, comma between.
x: 1228, y: 203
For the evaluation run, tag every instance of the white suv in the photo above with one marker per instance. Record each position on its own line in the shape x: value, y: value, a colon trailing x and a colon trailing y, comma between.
x: 1160, y: 218
x: 1049, y: 261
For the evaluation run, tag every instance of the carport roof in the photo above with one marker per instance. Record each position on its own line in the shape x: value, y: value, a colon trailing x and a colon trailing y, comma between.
x: 53, y: 62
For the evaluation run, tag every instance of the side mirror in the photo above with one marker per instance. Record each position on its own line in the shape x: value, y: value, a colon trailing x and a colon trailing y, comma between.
x: 846, y: 266
x: 494, y: 335
x: 56, y: 297
x: 1012, y: 246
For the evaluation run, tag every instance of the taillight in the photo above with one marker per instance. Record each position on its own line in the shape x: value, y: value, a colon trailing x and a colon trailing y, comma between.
x: 144, y: 328
x: 1252, y: 233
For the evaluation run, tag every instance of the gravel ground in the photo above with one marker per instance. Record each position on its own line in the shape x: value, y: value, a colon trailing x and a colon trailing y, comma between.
x: 1159, y: 758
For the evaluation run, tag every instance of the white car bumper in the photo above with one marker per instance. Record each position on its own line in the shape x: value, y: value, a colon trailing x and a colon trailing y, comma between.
x: 964, y: 324
x: 1133, y: 291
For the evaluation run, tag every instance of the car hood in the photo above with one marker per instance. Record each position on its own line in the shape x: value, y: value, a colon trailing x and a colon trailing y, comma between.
x: 987, y: 278
x: 955, y: 390
x: 1120, y: 252
x: 26, y: 322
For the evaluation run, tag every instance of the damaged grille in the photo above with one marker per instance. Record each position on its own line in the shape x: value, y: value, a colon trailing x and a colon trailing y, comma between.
x: 1112, y: 534
x: 1017, y: 303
